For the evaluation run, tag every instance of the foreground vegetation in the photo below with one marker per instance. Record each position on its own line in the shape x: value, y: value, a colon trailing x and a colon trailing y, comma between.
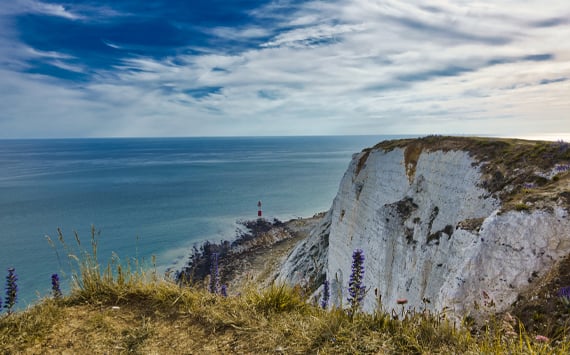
x: 160, y: 317
x: 125, y: 309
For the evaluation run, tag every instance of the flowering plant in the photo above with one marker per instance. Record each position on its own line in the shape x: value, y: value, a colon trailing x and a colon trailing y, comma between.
x: 356, y: 290
x: 11, y: 290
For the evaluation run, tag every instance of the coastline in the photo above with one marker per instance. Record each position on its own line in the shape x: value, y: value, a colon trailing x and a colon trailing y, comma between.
x: 253, y: 256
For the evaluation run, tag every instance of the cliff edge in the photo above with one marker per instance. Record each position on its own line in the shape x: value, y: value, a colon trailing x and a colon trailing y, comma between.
x: 461, y: 224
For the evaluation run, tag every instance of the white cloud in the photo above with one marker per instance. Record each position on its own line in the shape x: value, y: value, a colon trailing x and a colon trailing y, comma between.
x: 74, y: 12
x: 312, y: 36
x: 14, y: 7
x: 66, y: 66
x: 52, y: 9
x: 239, y: 33
x: 47, y: 54
x: 112, y: 45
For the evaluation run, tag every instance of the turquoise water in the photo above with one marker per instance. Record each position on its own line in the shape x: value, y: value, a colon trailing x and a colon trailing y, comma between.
x: 154, y: 196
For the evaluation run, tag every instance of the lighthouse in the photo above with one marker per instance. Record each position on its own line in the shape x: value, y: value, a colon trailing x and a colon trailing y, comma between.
x: 259, y: 213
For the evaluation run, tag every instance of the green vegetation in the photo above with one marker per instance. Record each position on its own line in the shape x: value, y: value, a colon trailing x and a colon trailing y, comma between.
x: 521, y: 207
x: 118, y: 309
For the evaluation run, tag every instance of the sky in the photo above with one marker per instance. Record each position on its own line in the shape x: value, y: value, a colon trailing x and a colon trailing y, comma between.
x: 160, y: 68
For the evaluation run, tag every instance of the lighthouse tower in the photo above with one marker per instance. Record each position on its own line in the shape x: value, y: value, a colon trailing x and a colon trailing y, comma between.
x: 259, y: 212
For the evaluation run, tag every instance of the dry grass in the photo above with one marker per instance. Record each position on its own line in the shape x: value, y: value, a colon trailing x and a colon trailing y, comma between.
x: 170, y: 320
x: 120, y: 310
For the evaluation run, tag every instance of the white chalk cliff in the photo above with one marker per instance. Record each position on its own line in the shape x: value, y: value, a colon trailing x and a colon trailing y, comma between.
x: 436, y: 228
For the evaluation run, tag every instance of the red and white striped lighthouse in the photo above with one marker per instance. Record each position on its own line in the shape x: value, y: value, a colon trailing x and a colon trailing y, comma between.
x: 259, y: 213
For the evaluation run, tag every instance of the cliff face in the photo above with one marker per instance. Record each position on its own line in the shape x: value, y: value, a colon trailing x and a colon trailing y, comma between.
x: 461, y: 223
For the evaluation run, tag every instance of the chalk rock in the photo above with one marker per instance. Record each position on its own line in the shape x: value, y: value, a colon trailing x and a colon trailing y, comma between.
x: 432, y: 231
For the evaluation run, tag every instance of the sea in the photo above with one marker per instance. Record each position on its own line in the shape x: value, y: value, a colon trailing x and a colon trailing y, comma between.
x: 153, y: 198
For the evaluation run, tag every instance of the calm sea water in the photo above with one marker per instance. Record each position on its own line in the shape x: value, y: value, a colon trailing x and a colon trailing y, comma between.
x: 154, y: 196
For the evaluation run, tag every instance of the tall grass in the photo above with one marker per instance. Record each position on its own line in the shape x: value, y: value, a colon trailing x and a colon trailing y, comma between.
x: 90, y: 280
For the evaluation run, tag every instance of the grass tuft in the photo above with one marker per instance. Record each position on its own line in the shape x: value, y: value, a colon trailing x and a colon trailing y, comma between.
x: 277, y: 298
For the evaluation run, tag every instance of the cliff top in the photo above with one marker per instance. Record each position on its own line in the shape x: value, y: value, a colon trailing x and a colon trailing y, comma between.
x: 524, y: 174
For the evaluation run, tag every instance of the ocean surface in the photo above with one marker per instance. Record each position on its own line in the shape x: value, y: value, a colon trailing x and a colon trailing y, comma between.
x: 153, y: 196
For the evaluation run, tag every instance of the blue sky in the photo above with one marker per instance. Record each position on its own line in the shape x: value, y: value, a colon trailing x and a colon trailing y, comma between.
x: 262, y: 67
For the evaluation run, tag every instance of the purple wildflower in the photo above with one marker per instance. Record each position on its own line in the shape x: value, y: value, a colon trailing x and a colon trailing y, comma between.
x: 326, y: 295
x: 562, y: 146
x: 224, y: 291
x: 564, y: 294
x: 11, y: 290
x: 55, y: 288
x: 356, y: 290
x: 562, y: 167
x: 214, y: 275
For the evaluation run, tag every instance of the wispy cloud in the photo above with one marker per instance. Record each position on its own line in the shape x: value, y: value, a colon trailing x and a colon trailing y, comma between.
x: 240, y: 33
x: 76, y: 11
x: 52, y: 9
x: 37, y: 7
x: 48, y: 54
x: 312, y: 35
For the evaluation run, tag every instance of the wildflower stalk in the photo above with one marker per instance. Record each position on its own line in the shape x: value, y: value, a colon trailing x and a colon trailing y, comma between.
x: 564, y: 295
x: 214, y: 275
x: 11, y: 290
x: 356, y: 289
x: 55, y: 287
x: 326, y: 295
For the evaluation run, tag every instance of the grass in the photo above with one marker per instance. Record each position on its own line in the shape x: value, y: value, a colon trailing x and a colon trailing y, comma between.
x: 172, y: 320
x: 120, y: 310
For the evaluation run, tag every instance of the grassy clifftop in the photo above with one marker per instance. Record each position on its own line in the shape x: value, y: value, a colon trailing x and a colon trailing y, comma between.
x: 523, y: 174
x: 159, y: 317
x: 120, y: 309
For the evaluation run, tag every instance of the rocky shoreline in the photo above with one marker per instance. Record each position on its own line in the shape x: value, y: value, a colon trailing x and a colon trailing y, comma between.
x: 253, y: 256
